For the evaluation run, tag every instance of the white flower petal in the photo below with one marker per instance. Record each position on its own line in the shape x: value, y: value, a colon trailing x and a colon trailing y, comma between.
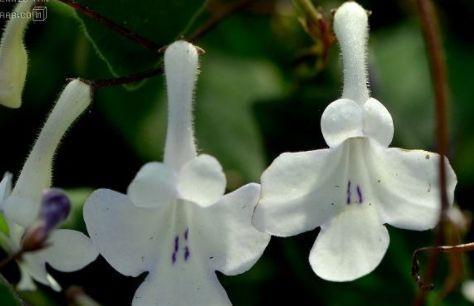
x: 154, y: 186
x: 69, y: 250
x: 183, y: 283
x: 351, y: 245
x: 467, y: 290
x: 34, y: 265
x: 126, y: 235
x: 342, y: 119
x: 5, y: 187
x: 300, y: 191
x: 202, y: 180
x: 378, y: 123
x: 233, y: 244
x: 22, y: 210
x: 26, y: 282
x: 407, y: 186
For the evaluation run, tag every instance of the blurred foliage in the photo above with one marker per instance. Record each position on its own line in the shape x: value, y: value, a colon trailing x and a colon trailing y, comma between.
x: 159, y: 21
x: 261, y: 92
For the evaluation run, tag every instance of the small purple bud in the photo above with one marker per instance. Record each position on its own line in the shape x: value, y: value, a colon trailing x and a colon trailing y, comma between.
x: 55, y: 207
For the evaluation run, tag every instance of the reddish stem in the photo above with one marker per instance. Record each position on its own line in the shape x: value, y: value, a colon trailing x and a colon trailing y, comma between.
x: 431, y: 32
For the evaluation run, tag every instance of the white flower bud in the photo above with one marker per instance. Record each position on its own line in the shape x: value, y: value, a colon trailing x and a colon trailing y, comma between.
x: 37, y: 171
x: 13, y: 56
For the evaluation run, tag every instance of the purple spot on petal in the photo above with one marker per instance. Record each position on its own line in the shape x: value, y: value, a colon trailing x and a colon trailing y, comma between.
x: 359, y: 194
x: 186, y: 253
x: 186, y: 233
x: 173, y: 258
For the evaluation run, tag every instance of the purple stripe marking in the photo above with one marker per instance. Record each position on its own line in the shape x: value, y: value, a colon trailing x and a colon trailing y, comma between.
x: 173, y: 258
x: 186, y: 253
x: 359, y: 194
x: 349, y: 196
x: 186, y: 233
x: 176, y: 243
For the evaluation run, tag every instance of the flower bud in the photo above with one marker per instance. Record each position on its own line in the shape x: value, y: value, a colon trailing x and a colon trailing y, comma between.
x: 13, y: 56
x: 55, y: 207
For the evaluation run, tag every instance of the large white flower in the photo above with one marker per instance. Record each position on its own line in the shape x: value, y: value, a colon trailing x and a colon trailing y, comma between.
x: 357, y: 185
x: 69, y: 250
x: 175, y: 221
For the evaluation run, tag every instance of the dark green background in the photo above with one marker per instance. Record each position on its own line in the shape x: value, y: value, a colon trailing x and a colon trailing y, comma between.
x: 254, y: 100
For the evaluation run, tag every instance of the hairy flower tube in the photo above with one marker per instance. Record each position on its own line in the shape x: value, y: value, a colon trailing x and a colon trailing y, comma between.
x: 13, y: 56
x: 175, y: 221
x: 358, y: 184
x: 26, y: 205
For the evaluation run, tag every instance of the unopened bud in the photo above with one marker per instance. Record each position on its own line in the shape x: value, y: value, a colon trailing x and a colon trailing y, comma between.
x: 13, y: 56
x: 55, y: 208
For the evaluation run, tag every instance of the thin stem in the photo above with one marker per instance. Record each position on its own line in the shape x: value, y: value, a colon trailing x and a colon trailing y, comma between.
x: 15, y: 256
x: 460, y: 248
x: 431, y: 32
x: 132, y: 78
x: 217, y: 18
x: 114, y: 26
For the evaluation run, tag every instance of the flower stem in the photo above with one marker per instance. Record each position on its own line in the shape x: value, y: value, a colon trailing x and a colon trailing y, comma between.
x: 132, y: 78
x: 218, y: 17
x: 114, y: 26
x: 431, y: 32
x: 460, y: 248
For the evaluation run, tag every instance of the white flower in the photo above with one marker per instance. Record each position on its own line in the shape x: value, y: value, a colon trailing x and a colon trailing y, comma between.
x: 13, y: 56
x: 69, y: 250
x: 357, y: 185
x: 175, y: 221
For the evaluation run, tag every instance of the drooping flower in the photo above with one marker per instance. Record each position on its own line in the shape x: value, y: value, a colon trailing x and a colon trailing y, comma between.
x: 26, y: 205
x: 13, y: 56
x: 357, y: 185
x: 175, y: 221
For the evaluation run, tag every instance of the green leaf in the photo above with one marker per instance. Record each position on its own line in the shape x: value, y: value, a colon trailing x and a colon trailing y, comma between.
x: 78, y: 198
x: 402, y: 83
x: 8, y: 296
x: 4, y: 225
x: 159, y: 21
